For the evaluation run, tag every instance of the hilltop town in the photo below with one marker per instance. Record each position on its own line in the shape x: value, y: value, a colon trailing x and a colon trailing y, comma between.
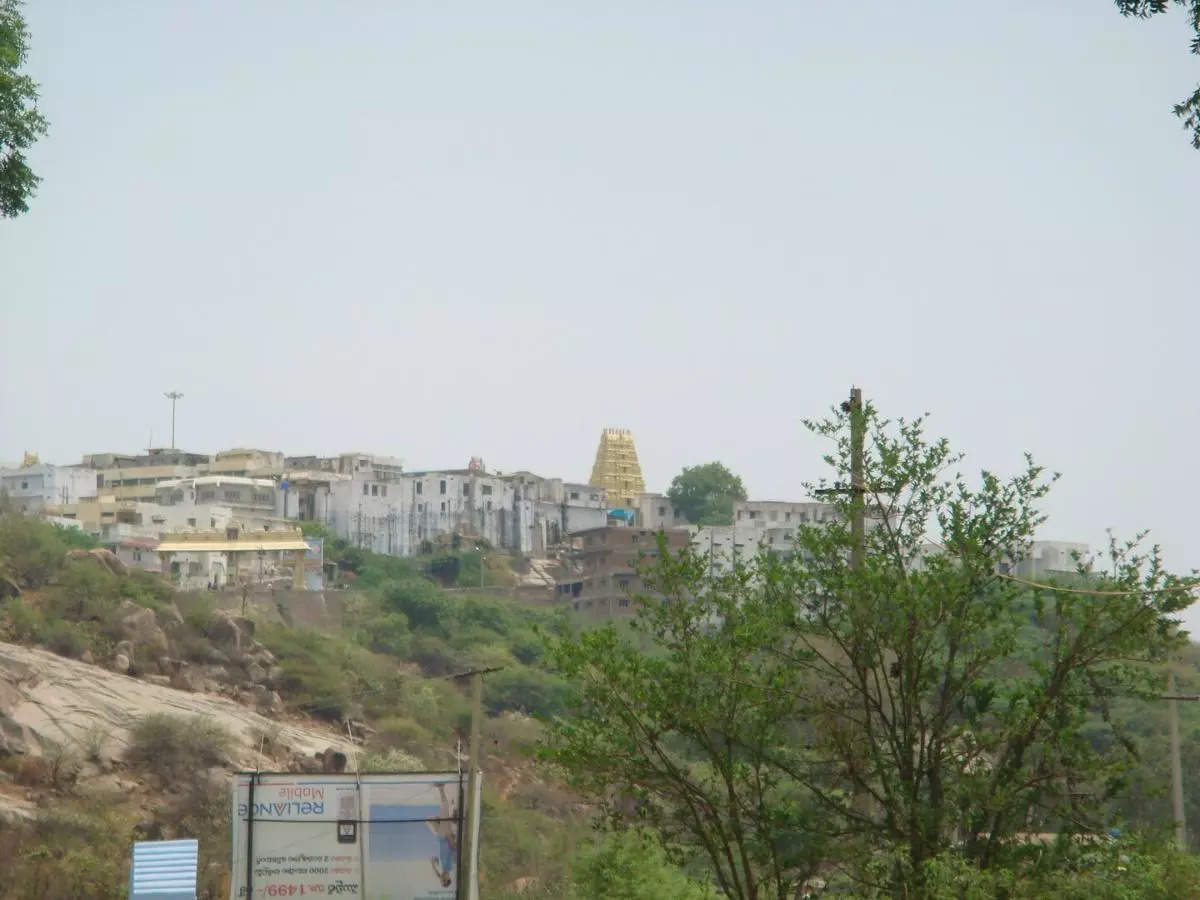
x: 230, y: 519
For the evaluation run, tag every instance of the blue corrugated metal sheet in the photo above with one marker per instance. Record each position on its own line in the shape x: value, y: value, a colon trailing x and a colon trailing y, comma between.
x: 626, y: 514
x: 163, y: 870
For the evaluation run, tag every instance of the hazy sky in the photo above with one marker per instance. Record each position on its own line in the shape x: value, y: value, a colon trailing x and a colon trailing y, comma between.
x: 438, y: 230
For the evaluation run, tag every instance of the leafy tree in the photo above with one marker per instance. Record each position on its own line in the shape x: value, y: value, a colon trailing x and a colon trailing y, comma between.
x: 20, y: 121
x: 909, y: 701
x: 684, y: 737
x: 632, y: 865
x: 705, y: 493
x: 1189, y: 109
x: 955, y: 699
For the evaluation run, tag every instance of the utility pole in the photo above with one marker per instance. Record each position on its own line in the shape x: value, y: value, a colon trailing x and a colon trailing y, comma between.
x: 173, y: 396
x: 470, y: 825
x: 857, y: 501
x: 1176, y: 766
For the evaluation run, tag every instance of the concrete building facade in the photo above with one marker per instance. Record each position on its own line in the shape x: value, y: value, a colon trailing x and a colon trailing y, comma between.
x: 133, y: 477
x: 602, y: 567
x: 655, y: 511
x: 35, y: 487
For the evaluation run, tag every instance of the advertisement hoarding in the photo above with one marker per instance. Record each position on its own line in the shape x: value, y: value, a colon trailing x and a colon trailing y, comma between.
x: 395, y: 836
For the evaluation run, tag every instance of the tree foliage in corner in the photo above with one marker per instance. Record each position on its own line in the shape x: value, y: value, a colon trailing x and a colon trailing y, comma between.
x: 883, y: 722
x: 20, y: 122
x: 1189, y: 109
x: 705, y: 493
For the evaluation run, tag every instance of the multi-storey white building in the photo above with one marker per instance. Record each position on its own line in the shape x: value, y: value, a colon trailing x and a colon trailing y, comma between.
x: 35, y: 487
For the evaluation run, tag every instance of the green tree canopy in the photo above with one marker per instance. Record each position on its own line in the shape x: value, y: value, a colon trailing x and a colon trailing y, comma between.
x: 887, y: 713
x: 705, y: 493
x: 1188, y: 109
x: 20, y: 122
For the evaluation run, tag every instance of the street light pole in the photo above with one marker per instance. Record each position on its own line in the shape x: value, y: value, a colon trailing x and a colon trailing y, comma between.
x: 173, y: 396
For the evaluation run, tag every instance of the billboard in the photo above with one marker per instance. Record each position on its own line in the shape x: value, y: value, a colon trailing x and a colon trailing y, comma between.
x: 395, y: 836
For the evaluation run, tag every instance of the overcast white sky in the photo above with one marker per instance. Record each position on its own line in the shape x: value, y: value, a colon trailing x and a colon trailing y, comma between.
x: 443, y: 229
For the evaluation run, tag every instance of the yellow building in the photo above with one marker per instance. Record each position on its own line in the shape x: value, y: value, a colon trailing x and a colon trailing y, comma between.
x: 617, y: 469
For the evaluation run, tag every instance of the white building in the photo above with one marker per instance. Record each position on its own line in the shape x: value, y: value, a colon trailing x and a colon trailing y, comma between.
x: 372, y: 503
x: 1048, y: 559
x: 655, y: 511
x: 35, y: 487
x: 776, y: 513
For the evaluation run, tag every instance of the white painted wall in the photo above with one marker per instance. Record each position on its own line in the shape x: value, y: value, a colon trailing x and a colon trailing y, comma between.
x: 45, y: 485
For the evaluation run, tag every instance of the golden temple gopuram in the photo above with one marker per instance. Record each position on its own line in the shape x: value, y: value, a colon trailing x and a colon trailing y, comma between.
x: 617, y: 469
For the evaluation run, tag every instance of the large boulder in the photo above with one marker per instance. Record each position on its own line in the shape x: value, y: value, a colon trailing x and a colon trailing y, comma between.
x: 225, y: 635
x: 109, y: 560
x: 105, y: 558
x: 140, y: 627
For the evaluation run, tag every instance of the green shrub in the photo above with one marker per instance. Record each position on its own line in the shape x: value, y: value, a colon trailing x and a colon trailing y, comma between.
x: 33, y: 550
x: 527, y: 690
x: 420, y: 600
x: 171, y: 746
x: 387, y: 633
x: 68, y: 639
x: 434, y: 655
x: 631, y: 866
x: 197, y: 609
x: 527, y: 646
x: 403, y: 731
x: 84, y: 591
x: 68, y: 853
x: 22, y: 622
x: 328, y: 675
x: 390, y: 760
x: 74, y: 538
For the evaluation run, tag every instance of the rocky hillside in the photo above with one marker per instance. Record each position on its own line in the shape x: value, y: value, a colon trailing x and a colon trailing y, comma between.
x: 125, y: 706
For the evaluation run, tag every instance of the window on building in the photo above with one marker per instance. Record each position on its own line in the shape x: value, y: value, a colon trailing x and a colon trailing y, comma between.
x: 137, y: 555
x: 773, y: 516
x: 739, y: 515
x: 662, y: 512
x: 231, y: 534
x: 443, y: 506
x: 420, y: 484
x: 489, y: 505
x: 193, y: 568
x: 442, y: 486
x: 374, y: 490
x: 212, y: 523
x: 466, y: 490
x: 383, y: 490
x: 232, y: 495
x: 366, y: 490
x: 624, y: 601
x: 752, y: 514
x: 595, y: 496
x: 191, y: 523
x: 574, y: 495
x: 24, y: 485
x: 420, y: 507
x: 486, y: 489
x: 787, y: 517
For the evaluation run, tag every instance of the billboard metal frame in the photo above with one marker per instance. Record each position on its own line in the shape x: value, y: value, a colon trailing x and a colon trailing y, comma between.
x: 464, y: 877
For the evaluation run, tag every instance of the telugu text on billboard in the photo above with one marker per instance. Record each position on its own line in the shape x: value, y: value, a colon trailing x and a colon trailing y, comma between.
x: 330, y: 835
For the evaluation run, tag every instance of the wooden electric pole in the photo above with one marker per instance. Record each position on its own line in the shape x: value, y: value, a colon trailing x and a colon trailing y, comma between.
x: 858, y: 427
x: 1176, y: 766
x: 468, y: 873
